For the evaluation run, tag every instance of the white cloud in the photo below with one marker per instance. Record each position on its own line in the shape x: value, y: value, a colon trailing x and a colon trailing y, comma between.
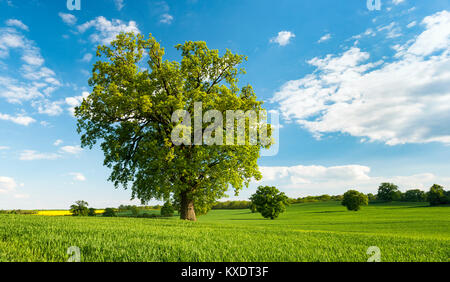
x: 396, y: 2
x: 16, y: 23
x: 406, y: 100
x: 316, y: 180
x: 324, y: 38
x: 48, y: 107
x: 87, y: 58
x: 58, y: 142
x: 7, y: 184
x: 19, y: 119
x: 166, y: 18
x: 41, y: 79
x: 75, y: 101
x: 78, y: 176
x: 283, y: 38
x: 436, y: 36
x: 74, y: 150
x: 105, y: 30
x: 119, y: 4
x: 393, y: 30
x: 4, y: 148
x: 310, y: 174
x: 411, y: 24
x: 30, y: 155
x: 68, y: 18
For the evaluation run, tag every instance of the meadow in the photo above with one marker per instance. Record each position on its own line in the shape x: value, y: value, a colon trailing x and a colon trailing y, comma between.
x: 323, y: 231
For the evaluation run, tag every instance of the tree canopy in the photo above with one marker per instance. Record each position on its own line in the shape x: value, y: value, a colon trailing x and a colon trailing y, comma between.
x: 130, y: 113
x: 353, y: 200
x: 388, y: 192
x: 269, y: 201
x: 80, y: 208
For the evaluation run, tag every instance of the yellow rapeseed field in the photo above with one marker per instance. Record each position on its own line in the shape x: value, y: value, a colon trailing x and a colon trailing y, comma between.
x: 61, y: 212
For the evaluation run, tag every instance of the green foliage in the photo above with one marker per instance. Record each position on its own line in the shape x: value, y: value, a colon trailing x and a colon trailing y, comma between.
x: 91, y: 212
x: 371, y: 197
x: 415, y: 195
x: 167, y: 210
x: 134, y: 211
x: 80, y: 208
x: 313, y: 199
x: 129, y: 111
x: 253, y: 208
x: 437, y: 195
x: 388, y: 192
x: 109, y: 212
x: 232, y: 205
x: 353, y: 200
x: 269, y: 201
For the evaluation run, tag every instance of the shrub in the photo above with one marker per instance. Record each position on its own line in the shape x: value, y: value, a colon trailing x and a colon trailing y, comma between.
x: 269, y: 201
x: 167, y: 210
x: 134, y: 211
x: 91, y: 212
x: 353, y: 200
x: 109, y: 212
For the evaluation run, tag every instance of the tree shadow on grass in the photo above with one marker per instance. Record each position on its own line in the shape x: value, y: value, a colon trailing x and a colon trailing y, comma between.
x: 327, y: 211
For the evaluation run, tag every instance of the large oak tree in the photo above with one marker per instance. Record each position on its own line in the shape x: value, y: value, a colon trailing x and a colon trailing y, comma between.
x: 130, y: 113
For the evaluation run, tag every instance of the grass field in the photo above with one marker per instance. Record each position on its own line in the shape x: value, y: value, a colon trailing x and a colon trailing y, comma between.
x: 306, y: 232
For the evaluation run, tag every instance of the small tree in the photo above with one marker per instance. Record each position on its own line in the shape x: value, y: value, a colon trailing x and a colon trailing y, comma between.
x: 167, y: 210
x: 91, y: 212
x: 80, y: 208
x: 109, y: 212
x: 437, y: 195
x: 353, y: 200
x: 388, y: 192
x: 269, y: 201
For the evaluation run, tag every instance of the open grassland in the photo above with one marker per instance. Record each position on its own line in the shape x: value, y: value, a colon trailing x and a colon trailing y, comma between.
x: 306, y: 232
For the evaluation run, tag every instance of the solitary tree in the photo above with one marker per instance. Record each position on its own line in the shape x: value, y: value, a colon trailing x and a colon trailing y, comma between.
x: 130, y: 112
x: 80, y: 208
x: 353, y: 200
x: 269, y: 201
x: 388, y: 192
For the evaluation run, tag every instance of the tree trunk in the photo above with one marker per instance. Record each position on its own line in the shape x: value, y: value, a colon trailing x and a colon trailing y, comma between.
x: 187, y: 208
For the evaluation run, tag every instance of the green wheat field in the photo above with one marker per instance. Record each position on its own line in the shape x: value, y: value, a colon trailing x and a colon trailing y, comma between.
x: 309, y: 232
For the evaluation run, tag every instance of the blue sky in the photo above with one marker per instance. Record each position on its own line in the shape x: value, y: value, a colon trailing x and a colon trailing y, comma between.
x: 363, y: 95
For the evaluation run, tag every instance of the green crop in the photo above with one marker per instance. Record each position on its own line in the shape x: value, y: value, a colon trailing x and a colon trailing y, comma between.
x: 306, y: 232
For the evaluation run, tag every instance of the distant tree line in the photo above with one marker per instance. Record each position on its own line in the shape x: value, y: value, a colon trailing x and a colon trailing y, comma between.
x: 352, y: 199
x: 389, y: 192
x: 313, y: 199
